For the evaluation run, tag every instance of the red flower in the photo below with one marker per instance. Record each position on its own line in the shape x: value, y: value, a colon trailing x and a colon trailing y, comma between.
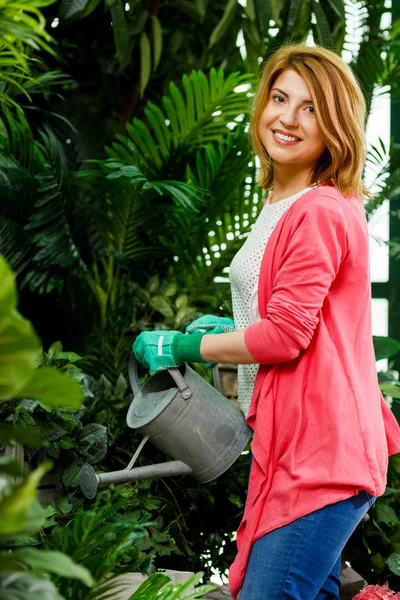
x: 377, y: 592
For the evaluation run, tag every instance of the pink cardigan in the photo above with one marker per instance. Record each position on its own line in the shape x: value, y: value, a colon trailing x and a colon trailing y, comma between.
x: 322, y: 431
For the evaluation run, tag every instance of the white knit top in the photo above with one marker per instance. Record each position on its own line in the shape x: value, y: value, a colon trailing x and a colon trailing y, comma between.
x: 243, y: 274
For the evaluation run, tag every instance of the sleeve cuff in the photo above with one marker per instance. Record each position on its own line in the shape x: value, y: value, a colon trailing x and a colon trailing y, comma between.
x: 187, y: 348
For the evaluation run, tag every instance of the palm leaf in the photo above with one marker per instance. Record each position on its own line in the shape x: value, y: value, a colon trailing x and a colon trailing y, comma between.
x: 321, y: 28
x: 20, y: 159
x: 192, y: 120
x: 50, y: 224
x: 22, y: 29
x: 367, y: 63
x: 124, y: 206
x: 217, y: 232
x: 14, y: 244
x: 385, y: 161
x: 21, y: 24
x: 71, y: 10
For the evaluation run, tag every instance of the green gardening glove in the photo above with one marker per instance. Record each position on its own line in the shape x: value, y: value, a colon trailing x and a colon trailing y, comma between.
x: 211, y: 324
x: 160, y: 350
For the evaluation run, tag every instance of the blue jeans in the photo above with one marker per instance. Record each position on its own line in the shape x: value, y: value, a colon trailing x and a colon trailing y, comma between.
x: 301, y: 561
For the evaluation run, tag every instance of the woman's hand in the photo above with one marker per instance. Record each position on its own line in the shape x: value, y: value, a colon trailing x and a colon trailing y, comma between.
x: 211, y: 324
x: 160, y: 350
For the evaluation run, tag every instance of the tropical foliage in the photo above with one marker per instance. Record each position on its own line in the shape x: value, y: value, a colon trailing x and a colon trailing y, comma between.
x: 89, y: 548
x: 127, y: 184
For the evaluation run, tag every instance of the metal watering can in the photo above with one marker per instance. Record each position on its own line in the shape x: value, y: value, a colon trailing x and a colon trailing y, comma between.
x: 188, y: 419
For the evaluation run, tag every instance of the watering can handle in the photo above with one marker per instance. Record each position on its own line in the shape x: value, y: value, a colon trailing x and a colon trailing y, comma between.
x: 175, y: 374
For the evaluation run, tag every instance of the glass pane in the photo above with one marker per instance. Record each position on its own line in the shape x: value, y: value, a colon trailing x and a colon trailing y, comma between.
x: 380, y: 314
x: 378, y: 129
x: 378, y: 227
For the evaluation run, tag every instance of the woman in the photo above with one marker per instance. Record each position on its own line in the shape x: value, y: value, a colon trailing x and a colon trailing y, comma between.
x: 302, y: 306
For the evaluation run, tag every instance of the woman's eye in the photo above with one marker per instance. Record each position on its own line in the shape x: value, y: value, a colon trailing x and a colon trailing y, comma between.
x: 278, y: 98
x: 310, y: 109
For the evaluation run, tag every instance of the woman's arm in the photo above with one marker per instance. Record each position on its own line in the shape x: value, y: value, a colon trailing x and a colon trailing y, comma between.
x: 309, y: 266
x: 226, y: 348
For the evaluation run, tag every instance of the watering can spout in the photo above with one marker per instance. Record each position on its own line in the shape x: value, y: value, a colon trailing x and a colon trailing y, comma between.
x: 90, y: 480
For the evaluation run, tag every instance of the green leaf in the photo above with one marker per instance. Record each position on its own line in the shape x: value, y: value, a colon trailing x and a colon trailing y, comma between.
x: 47, y: 561
x: 180, y: 108
x: 276, y: 8
x: 223, y: 25
x: 377, y: 560
x: 19, y: 347
x: 250, y: 10
x: 157, y: 40
x: 71, y: 357
x: 190, y: 103
x: 152, y: 504
x: 22, y: 435
x: 385, y: 513
x: 14, y: 507
x: 145, y: 62
x: 393, y: 562
x: 263, y: 16
x: 53, y: 388
x: 201, y: 6
x: 71, y: 10
x: 170, y: 290
x: 8, y: 290
x: 391, y: 491
x: 181, y: 301
x: 390, y: 390
x: 64, y: 505
x: 10, y: 466
x: 176, y: 592
x: 394, y: 462
x: 338, y: 7
x: 35, y: 520
x: 55, y: 347
x: 120, y: 32
x: 50, y: 515
x: 91, y: 443
x: 153, y: 284
x: 66, y: 443
x: 161, y: 305
x: 156, y: 120
x: 323, y: 32
x: 71, y: 475
x: 153, y: 585
x: 184, y: 316
x: 385, y: 347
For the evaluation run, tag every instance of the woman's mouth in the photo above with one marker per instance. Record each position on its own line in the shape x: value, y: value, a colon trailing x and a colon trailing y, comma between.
x: 285, y: 140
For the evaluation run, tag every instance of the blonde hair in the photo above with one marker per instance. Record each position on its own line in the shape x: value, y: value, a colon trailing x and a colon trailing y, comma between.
x: 340, y: 110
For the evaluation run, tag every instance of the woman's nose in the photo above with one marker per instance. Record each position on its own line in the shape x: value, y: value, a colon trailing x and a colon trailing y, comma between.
x: 289, y: 117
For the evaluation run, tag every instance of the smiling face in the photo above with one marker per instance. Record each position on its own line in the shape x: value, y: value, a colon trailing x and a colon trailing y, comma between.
x: 288, y: 126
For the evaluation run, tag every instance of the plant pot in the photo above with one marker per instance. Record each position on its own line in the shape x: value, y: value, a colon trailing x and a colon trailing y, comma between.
x: 229, y: 383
